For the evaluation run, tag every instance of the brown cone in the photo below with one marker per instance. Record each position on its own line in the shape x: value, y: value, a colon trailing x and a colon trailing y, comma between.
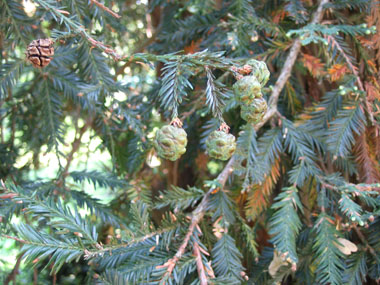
x: 40, y: 52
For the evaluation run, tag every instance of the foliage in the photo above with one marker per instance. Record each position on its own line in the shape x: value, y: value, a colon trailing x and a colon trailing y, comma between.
x: 83, y: 192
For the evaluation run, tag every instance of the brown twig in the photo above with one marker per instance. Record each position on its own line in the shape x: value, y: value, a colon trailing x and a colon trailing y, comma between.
x: 198, y: 214
x: 187, y: 114
x: 54, y: 278
x: 200, y: 268
x: 75, y: 146
x: 285, y: 73
x: 108, y: 10
x: 15, y: 238
x: 171, y: 263
x: 364, y: 240
x: 8, y: 196
x: 287, y: 69
x: 35, y: 276
x: 80, y: 29
x: 88, y: 254
x: 175, y: 172
x: 13, y: 126
x: 102, y: 46
x: 140, y: 48
x: 14, y: 272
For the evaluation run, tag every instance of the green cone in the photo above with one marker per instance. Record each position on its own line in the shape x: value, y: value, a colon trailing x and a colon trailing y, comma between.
x: 260, y: 71
x: 254, y: 112
x: 247, y: 89
x: 170, y: 142
x: 220, y: 145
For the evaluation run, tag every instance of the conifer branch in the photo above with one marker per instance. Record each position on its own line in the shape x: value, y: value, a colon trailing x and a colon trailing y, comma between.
x: 197, y: 216
x: 139, y: 49
x: 9, y: 75
x: 200, y: 268
x: 53, y: 111
x: 354, y: 70
x: 214, y: 95
x: 201, y: 59
x: 136, y: 250
x: 42, y: 244
x: 99, y: 251
x: 15, y: 238
x: 287, y: 69
x: 351, y: 65
x: 108, y: 10
x: 12, y: 18
x: 61, y: 15
x: 171, y: 263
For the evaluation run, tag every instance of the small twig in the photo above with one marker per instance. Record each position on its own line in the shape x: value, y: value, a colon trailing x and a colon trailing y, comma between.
x: 187, y: 114
x: 139, y: 49
x: 198, y: 214
x: 54, y: 278
x: 171, y: 263
x: 91, y: 253
x: 322, y: 165
x: 364, y: 240
x: 101, y: 6
x: 14, y: 272
x: 79, y: 29
x: 287, y: 69
x: 268, y: 115
x: 285, y: 73
x: 75, y: 146
x: 35, y: 276
x: 15, y: 238
x: 13, y: 127
x: 222, y: 178
x: 102, y: 46
x: 354, y: 70
x: 175, y: 172
x: 8, y: 196
x: 200, y: 268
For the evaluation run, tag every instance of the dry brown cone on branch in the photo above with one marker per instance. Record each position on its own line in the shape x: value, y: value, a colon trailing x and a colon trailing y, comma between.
x: 40, y: 52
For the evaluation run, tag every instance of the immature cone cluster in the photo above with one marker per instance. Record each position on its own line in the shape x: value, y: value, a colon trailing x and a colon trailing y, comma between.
x: 220, y: 144
x: 170, y: 142
x: 39, y: 52
x: 248, y: 90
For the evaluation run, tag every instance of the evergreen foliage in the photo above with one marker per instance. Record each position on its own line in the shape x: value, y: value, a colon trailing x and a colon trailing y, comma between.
x: 298, y: 202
